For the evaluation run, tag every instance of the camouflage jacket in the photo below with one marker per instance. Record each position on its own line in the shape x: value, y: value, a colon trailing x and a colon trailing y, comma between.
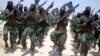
x: 10, y: 19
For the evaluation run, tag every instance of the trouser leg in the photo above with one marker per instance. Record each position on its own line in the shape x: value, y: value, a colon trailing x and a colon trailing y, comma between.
x: 99, y: 45
x: 5, y: 36
x: 61, y: 42
x: 53, y: 38
x: 78, y: 44
x: 23, y: 38
x: 12, y: 39
x: 20, y: 35
x: 32, y: 38
x: 41, y: 36
x: 76, y: 37
x: 84, y: 48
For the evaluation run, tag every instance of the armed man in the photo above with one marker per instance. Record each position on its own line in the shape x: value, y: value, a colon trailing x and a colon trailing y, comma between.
x: 85, y: 36
x: 95, y: 31
x: 58, y: 36
x: 30, y: 30
x: 41, y: 24
x: 96, y: 23
x: 19, y: 25
x: 9, y: 16
x: 74, y: 22
x: 76, y: 29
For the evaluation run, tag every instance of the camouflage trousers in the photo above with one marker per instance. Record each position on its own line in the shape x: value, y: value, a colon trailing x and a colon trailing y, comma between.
x: 76, y: 36
x: 29, y: 31
x: 77, y: 39
x: 12, y: 31
x: 19, y: 31
x: 40, y: 35
x: 85, y: 39
x: 59, y: 38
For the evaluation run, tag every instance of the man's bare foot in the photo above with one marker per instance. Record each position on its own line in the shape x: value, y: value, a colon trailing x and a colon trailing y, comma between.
x: 54, y: 46
x: 18, y: 42
x: 6, y: 45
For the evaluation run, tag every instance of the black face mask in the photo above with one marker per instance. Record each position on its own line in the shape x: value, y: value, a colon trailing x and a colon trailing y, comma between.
x: 62, y: 12
x: 87, y: 11
x: 21, y: 7
x: 42, y: 11
x: 9, y: 5
x: 25, y: 9
x: 32, y: 7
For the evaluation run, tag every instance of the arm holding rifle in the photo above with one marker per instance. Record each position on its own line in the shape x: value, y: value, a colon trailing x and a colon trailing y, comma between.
x: 71, y: 10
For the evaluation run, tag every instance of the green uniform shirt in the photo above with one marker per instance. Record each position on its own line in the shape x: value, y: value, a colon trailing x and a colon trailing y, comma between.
x: 4, y: 14
x: 54, y: 18
x: 75, y: 23
x: 18, y: 20
x: 86, y: 30
x: 61, y: 27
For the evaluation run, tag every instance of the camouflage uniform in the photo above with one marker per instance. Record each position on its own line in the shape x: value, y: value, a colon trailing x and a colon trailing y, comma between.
x: 97, y: 33
x: 42, y: 24
x: 30, y: 30
x: 74, y: 24
x: 20, y: 26
x: 53, y: 19
x: 85, y: 35
x: 59, y: 36
x: 9, y: 27
x: 74, y: 27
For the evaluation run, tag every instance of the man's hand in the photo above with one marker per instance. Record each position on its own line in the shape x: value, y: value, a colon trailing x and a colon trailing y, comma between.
x: 98, y: 27
x: 84, y: 24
